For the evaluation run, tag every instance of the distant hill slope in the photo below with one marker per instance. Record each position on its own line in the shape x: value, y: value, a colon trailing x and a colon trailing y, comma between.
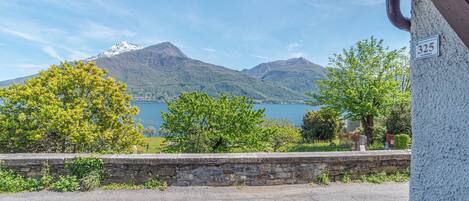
x: 297, y: 74
x: 162, y: 71
x: 19, y: 80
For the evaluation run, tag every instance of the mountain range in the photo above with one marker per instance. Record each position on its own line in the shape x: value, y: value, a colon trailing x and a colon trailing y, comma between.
x: 162, y: 71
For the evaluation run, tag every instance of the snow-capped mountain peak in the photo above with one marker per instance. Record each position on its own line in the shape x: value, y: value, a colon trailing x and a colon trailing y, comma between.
x: 116, y: 49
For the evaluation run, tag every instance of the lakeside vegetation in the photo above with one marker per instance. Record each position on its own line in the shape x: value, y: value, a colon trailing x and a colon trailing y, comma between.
x: 77, y: 107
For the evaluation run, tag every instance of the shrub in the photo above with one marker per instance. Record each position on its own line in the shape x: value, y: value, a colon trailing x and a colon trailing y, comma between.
x: 196, y: 122
x: 65, y: 184
x: 345, y: 177
x: 80, y: 167
x: 13, y: 182
x: 155, y: 184
x: 376, y: 146
x: 88, y: 171
x: 324, y: 124
x: 281, y: 133
x: 91, y: 181
x: 323, y: 178
x: 399, y: 119
x: 379, y: 134
x: 46, y: 178
x: 402, y: 141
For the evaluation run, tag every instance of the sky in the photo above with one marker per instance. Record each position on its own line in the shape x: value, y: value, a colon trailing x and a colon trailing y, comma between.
x: 237, y: 34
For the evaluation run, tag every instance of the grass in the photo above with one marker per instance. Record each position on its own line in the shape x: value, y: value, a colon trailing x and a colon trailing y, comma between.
x: 155, y: 145
x: 318, y: 146
x: 323, y: 179
x: 152, y: 184
x: 383, y: 177
x: 120, y: 186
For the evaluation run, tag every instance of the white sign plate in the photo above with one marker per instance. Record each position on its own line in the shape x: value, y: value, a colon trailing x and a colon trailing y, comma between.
x: 427, y: 47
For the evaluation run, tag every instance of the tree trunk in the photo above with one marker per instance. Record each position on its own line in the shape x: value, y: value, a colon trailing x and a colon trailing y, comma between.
x: 367, y: 123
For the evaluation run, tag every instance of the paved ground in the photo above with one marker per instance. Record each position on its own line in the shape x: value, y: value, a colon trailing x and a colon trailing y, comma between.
x: 333, y: 192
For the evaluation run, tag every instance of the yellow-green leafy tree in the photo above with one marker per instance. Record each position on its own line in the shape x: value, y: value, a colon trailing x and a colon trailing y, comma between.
x: 68, y: 108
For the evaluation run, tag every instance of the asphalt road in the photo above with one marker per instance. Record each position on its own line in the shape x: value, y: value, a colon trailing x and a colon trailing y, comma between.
x: 333, y: 192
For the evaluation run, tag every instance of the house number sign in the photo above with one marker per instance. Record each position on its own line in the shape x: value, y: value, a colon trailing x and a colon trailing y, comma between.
x: 427, y: 47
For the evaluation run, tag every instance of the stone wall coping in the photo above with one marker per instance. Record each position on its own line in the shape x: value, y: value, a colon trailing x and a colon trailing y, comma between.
x: 222, y: 158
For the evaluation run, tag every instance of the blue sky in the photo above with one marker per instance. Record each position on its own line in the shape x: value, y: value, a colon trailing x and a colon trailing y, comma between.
x: 237, y: 34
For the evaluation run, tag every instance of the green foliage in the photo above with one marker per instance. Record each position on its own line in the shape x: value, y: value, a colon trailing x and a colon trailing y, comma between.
x: 196, y: 122
x: 65, y: 184
x: 156, y: 184
x: 324, y: 124
x: 402, y: 141
x: 318, y: 146
x: 363, y: 82
x: 379, y: 133
x: 399, y: 119
x: 46, y: 178
x: 281, y: 133
x: 383, y: 177
x: 80, y: 167
x: 121, y: 186
x: 323, y: 178
x: 345, y: 177
x: 90, y: 181
x: 13, y: 182
x: 377, y: 145
x: 150, y: 131
x: 88, y: 171
x: 68, y: 108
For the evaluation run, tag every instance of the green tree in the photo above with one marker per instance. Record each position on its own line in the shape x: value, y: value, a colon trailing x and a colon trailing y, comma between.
x: 399, y: 118
x: 362, y: 82
x: 68, y: 108
x: 280, y: 133
x: 324, y: 124
x: 196, y: 122
x: 150, y: 131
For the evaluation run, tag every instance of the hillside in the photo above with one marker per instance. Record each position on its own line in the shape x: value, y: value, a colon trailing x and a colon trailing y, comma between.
x: 162, y: 71
x: 297, y: 74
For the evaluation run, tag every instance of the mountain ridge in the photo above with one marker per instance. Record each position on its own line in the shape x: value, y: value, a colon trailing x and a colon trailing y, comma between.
x: 161, y: 71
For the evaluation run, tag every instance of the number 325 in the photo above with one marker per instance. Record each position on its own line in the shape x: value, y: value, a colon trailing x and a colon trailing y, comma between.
x: 425, y: 48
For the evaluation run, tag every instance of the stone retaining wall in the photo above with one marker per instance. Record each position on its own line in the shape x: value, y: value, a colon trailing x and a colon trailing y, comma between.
x: 222, y: 169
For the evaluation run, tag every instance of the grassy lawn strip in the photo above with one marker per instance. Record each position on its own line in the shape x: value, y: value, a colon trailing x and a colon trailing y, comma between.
x: 319, y: 146
x: 155, y: 145
x: 374, y: 178
x: 152, y: 184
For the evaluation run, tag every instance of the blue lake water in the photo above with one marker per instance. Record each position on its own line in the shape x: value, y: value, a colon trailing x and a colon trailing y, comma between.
x: 150, y: 113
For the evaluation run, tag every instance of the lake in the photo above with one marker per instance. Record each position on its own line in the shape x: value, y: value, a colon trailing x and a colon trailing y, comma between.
x: 150, y: 113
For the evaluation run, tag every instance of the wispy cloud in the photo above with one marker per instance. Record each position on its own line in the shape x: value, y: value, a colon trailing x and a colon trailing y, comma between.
x: 52, y: 52
x: 209, y: 50
x: 340, y: 4
x: 22, y: 35
x: 52, y: 41
x: 293, y: 50
x: 296, y: 55
x: 29, y: 66
x: 98, y: 31
x: 293, y: 46
x: 367, y: 2
x: 259, y: 56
